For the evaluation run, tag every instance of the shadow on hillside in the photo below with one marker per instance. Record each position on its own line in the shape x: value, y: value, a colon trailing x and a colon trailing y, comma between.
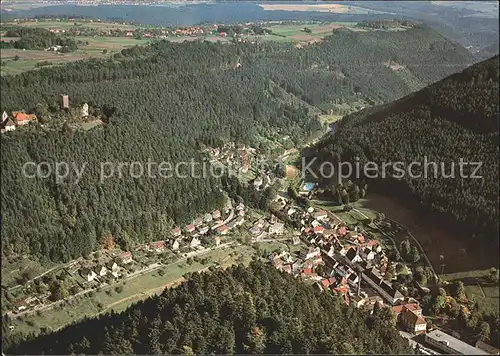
x: 461, y: 254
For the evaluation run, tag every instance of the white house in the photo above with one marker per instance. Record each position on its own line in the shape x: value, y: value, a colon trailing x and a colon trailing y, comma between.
x: 175, y: 245
x: 203, y: 230
x: 276, y: 228
x: 195, y: 242
x: 101, y: 270
x: 257, y: 182
x: 353, y: 256
x: 88, y: 274
x: 113, y: 267
x: 320, y: 215
x: 311, y: 253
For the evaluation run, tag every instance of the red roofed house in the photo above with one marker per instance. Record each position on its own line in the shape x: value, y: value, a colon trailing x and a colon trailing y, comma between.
x: 158, y: 246
x: 175, y: 231
x: 320, y: 215
x: 325, y: 283
x: 22, y: 118
x: 222, y: 229
x: 342, y: 230
x: 410, y: 317
x: 216, y: 214
x: 374, y: 245
x: 126, y: 257
x: 319, y: 229
x: 189, y: 228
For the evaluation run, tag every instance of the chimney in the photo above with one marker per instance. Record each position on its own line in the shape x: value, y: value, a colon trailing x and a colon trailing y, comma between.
x: 65, y: 101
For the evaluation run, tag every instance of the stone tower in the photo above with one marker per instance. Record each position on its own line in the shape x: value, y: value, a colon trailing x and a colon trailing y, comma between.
x: 65, y: 101
x: 85, y: 110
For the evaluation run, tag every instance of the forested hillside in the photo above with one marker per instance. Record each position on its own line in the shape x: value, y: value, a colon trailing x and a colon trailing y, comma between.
x: 456, y: 118
x: 253, y: 309
x: 162, y: 103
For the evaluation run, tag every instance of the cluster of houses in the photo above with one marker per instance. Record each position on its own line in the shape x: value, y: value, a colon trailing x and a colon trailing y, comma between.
x: 345, y: 263
x: 17, y: 118
x: 103, y: 269
x: 239, y: 155
x: 262, y: 228
x: 191, y: 234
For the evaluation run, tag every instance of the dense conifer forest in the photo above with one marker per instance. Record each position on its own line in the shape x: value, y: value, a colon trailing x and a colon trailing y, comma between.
x: 456, y: 118
x: 163, y: 102
x: 253, y: 309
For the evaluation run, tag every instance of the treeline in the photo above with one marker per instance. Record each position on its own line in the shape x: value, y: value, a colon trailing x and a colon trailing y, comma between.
x: 164, y: 101
x: 386, y: 24
x: 455, y: 119
x: 253, y: 309
x: 37, y: 38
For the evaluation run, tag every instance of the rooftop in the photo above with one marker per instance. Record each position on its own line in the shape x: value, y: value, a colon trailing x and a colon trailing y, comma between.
x: 454, y: 343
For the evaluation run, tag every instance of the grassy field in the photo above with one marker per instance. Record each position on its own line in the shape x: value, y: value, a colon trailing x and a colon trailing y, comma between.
x: 327, y: 119
x: 13, y: 269
x: 132, y: 291
x: 28, y: 59
x: 479, y: 288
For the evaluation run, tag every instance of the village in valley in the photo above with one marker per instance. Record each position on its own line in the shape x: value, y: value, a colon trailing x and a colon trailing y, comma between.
x: 354, y: 261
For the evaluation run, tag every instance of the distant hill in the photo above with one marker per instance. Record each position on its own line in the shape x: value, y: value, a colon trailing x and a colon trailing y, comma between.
x: 254, y: 310
x: 453, y: 119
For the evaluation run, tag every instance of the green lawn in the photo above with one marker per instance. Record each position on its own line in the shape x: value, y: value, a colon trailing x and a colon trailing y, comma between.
x: 133, y: 290
x: 96, y: 45
x: 11, y: 270
x: 476, y: 282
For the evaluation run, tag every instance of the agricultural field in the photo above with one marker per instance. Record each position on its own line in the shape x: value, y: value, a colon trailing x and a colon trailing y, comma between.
x: 328, y: 119
x: 295, y: 33
x: 14, y: 269
x: 16, y: 61
x: 479, y: 288
x: 330, y: 8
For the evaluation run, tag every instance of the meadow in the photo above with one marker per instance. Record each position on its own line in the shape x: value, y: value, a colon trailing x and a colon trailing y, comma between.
x: 119, y: 297
x: 15, y: 61
x: 478, y: 287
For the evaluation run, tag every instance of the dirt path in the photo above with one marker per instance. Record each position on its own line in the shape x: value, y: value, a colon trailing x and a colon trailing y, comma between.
x: 144, y: 294
x: 481, y: 289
